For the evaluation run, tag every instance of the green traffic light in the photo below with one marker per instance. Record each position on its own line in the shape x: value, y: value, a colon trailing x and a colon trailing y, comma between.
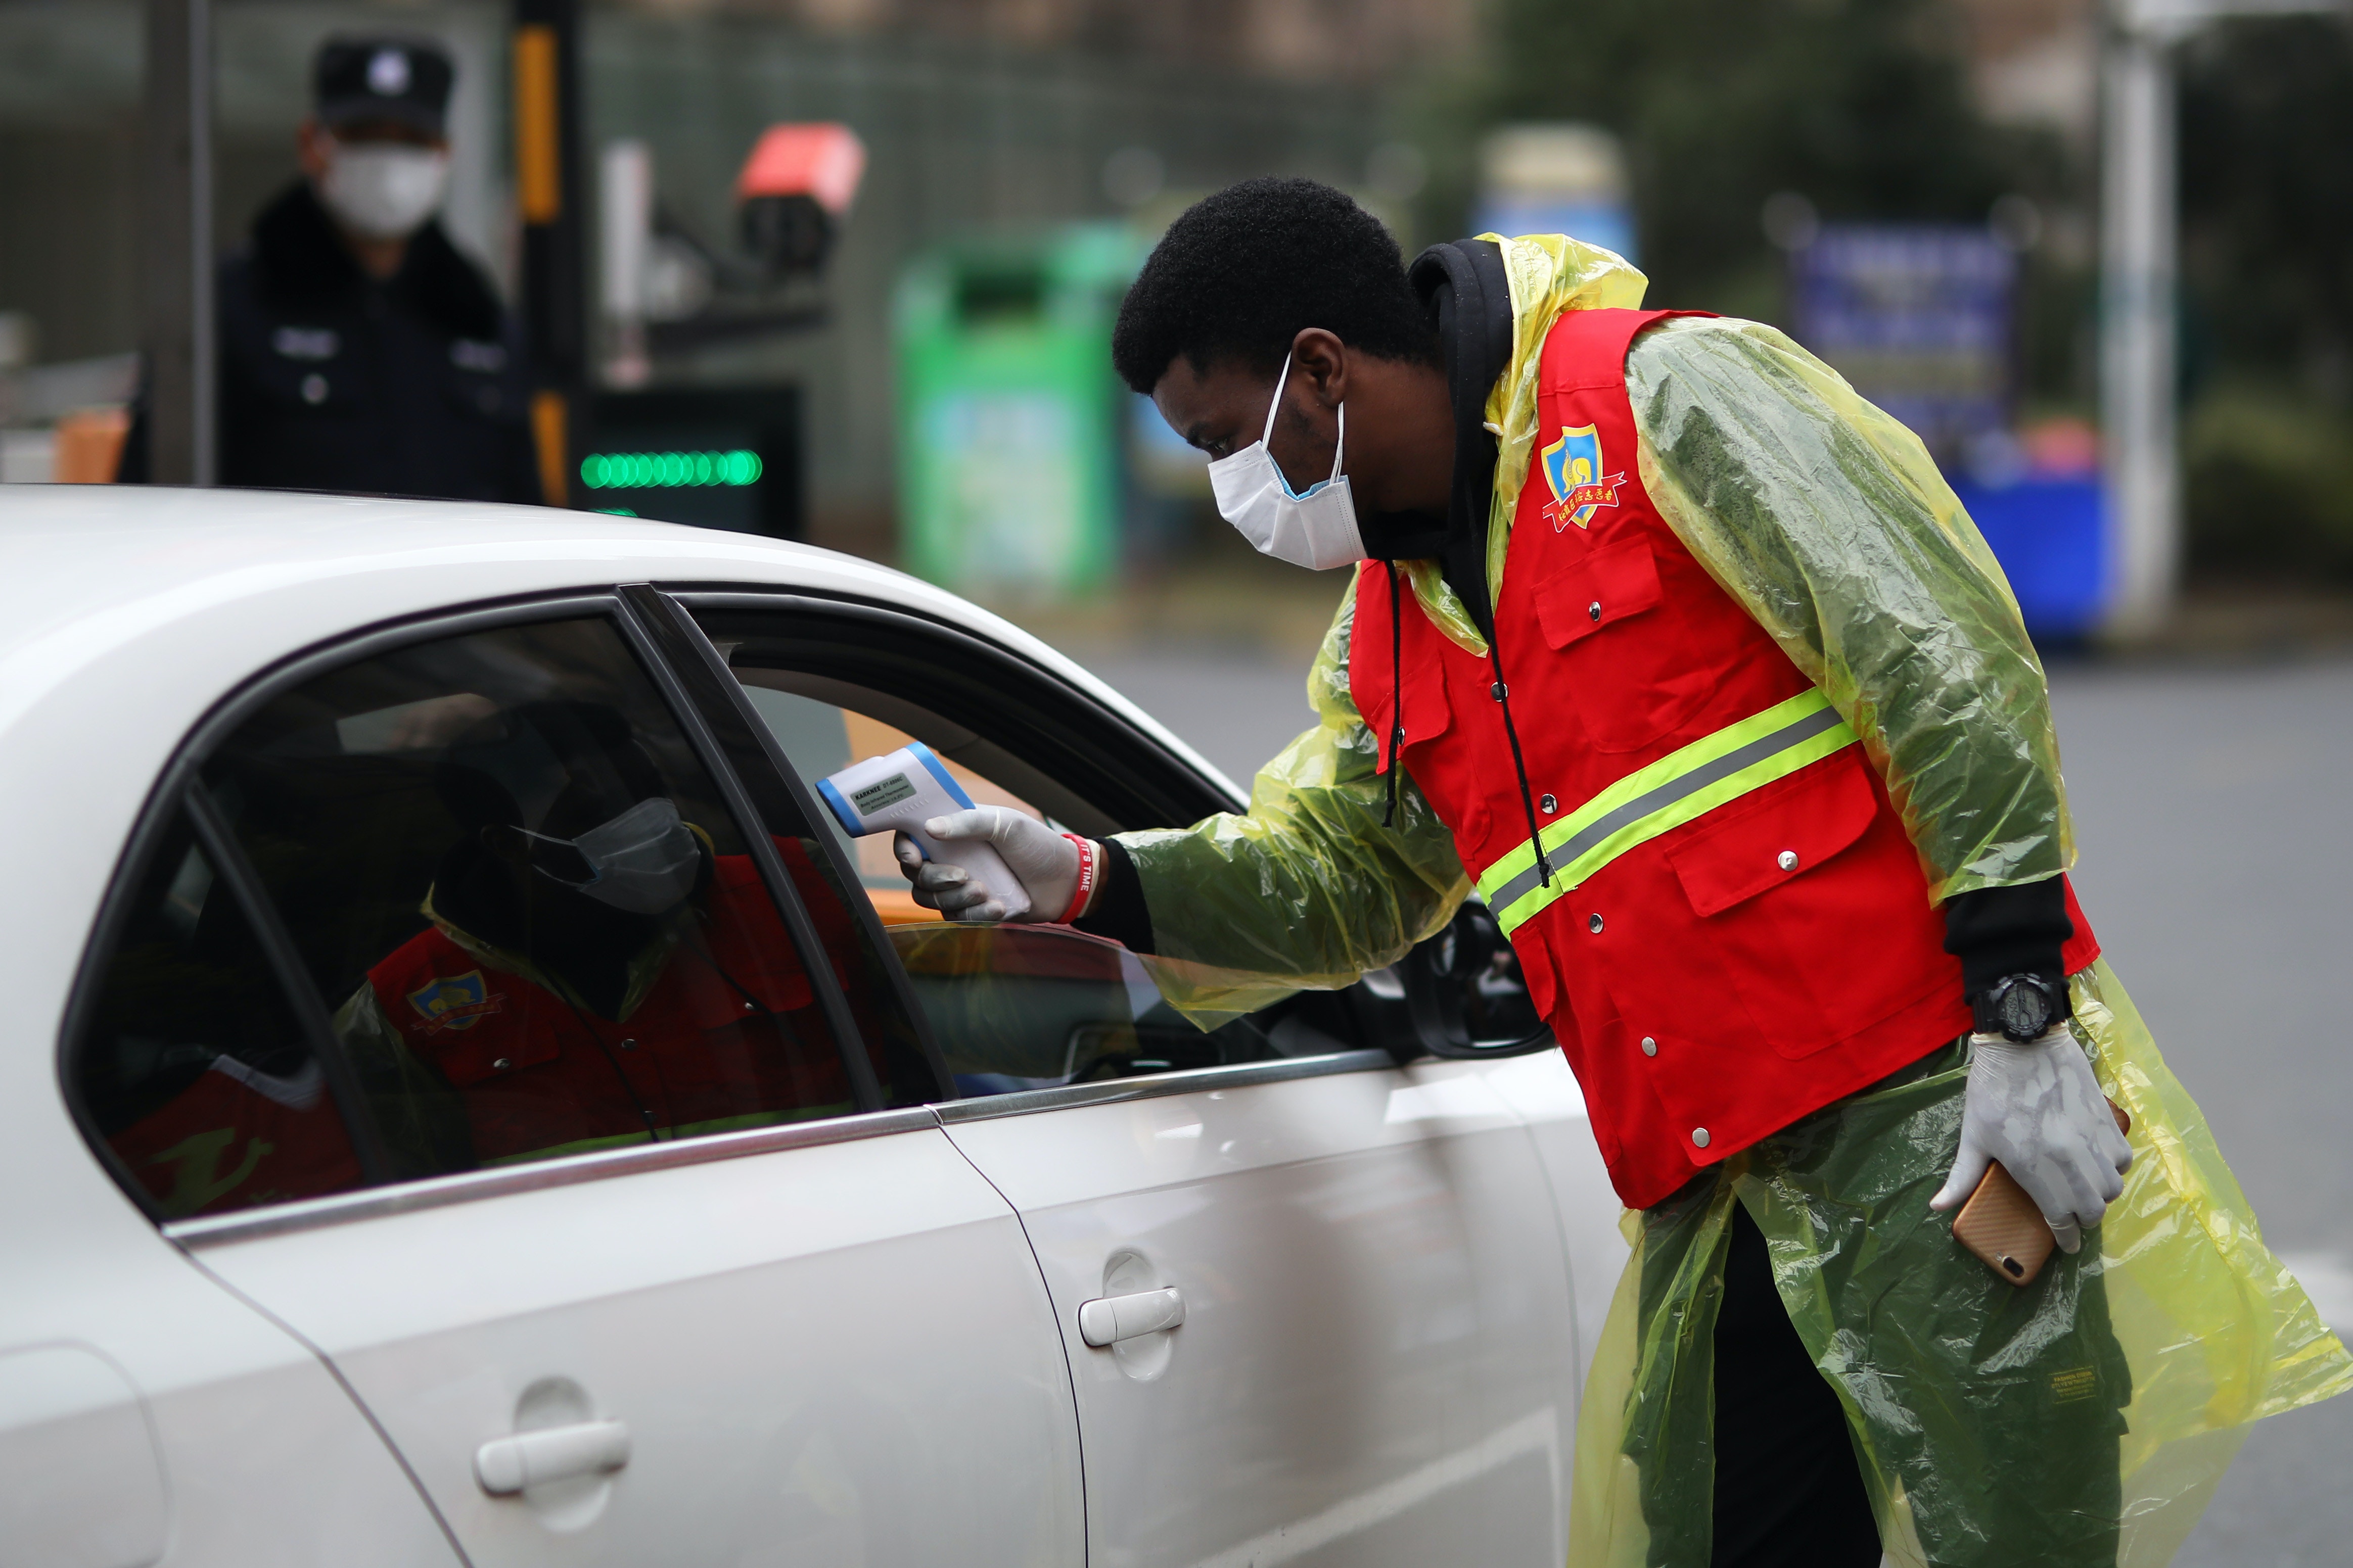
x: 669, y: 470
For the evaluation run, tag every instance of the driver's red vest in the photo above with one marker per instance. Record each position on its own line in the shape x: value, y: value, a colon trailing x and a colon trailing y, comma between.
x: 730, y: 1036
x: 1736, y: 929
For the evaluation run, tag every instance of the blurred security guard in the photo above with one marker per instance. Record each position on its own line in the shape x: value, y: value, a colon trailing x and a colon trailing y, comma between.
x: 1686, y: 658
x: 360, y: 351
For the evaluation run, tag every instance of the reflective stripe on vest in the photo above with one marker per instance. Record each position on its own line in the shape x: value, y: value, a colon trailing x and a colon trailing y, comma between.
x: 1672, y: 791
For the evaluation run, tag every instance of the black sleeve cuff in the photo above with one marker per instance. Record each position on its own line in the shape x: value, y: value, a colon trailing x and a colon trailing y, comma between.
x: 1996, y: 931
x: 1118, y: 912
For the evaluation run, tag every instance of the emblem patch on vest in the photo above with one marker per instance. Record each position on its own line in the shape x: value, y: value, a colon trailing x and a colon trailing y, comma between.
x: 456, y: 1002
x: 1572, y: 470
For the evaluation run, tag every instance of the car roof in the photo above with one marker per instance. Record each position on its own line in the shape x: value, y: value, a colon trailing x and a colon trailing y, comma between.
x: 238, y: 579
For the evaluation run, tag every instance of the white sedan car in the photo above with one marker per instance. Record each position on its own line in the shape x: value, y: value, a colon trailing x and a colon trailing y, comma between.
x: 467, y: 1104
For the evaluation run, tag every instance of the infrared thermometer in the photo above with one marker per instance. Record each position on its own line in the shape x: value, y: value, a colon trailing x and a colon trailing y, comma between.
x: 898, y: 793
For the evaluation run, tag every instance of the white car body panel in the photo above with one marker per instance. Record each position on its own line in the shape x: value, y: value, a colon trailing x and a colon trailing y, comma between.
x: 126, y: 614
x: 1373, y: 1356
x: 261, y: 1458
x: 1545, y: 1095
x: 836, y: 1354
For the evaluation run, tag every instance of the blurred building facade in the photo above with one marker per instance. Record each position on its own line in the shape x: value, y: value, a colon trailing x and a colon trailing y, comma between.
x: 1366, y: 41
x: 978, y: 115
x: 2265, y: 351
x: 990, y: 115
x: 2036, y: 62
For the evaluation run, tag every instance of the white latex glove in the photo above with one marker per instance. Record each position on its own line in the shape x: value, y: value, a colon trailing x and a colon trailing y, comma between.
x: 2036, y: 1108
x: 1046, y: 862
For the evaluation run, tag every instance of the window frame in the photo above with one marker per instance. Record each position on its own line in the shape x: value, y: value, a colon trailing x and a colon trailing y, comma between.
x: 850, y: 1043
x: 1056, y: 714
x: 1148, y: 784
x: 179, y: 787
x: 709, y: 681
x: 1190, y: 1080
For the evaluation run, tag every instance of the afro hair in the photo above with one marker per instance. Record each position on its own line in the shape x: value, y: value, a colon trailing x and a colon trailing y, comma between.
x: 1243, y: 272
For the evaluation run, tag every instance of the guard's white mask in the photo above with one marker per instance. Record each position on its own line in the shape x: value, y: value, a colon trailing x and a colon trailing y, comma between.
x: 383, y: 190
x: 1318, y: 530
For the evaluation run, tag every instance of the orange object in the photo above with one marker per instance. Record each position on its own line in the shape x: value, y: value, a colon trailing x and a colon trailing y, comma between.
x: 89, y: 445
x: 2061, y: 446
x: 823, y: 160
x: 897, y: 906
x: 539, y: 180
x: 548, y: 423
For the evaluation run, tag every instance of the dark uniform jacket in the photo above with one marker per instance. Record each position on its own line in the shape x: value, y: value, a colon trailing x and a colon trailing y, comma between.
x: 332, y: 381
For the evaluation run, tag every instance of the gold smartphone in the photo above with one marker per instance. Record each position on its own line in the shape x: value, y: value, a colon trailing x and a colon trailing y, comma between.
x: 2002, y: 1227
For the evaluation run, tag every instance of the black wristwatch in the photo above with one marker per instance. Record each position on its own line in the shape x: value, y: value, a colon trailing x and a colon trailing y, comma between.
x: 2019, y: 1007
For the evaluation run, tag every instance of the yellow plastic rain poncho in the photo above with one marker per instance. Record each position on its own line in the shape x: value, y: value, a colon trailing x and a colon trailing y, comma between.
x: 1977, y: 1407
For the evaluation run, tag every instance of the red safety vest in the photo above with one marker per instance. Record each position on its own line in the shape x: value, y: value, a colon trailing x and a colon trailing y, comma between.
x: 1737, y: 930
x: 698, y: 1054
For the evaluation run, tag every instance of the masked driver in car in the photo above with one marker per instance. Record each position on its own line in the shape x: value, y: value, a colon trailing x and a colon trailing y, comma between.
x: 594, y: 973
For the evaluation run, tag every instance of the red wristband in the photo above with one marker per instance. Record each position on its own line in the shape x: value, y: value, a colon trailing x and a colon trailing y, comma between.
x: 1086, y: 888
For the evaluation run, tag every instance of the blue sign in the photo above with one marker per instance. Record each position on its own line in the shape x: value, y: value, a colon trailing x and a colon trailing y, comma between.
x: 1918, y: 317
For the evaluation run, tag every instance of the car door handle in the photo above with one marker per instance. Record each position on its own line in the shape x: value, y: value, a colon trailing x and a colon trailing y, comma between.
x: 1111, y: 1319
x: 506, y: 1465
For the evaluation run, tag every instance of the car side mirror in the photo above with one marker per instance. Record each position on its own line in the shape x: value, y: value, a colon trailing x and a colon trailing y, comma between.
x: 1465, y: 994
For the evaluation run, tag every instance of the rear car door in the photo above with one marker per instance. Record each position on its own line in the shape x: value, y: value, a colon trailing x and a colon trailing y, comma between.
x: 146, y: 1413
x: 1315, y: 1303
x: 594, y: 1155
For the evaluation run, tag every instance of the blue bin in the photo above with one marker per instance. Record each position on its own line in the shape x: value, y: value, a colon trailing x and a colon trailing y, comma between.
x: 2050, y: 535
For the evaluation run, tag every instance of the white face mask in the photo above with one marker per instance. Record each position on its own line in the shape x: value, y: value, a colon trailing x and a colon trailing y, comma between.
x: 644, y: 860
x: 383, y: 190
x: 1318, y: 530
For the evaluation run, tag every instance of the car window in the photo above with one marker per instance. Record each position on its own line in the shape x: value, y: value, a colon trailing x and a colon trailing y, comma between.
x: 1012, y: 1007
x: 539, y: 929
x: 1037, y: 1006
x: 195, y: 1070
x: 821, y: 739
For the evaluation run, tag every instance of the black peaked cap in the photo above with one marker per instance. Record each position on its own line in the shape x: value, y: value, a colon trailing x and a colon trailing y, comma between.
x: 384, y: 76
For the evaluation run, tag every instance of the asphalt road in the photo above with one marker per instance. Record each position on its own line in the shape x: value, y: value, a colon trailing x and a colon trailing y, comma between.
x: 2215, y: 824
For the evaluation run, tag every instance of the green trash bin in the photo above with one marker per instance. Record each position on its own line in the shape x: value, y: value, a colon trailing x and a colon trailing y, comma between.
x: 1010, y: 420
